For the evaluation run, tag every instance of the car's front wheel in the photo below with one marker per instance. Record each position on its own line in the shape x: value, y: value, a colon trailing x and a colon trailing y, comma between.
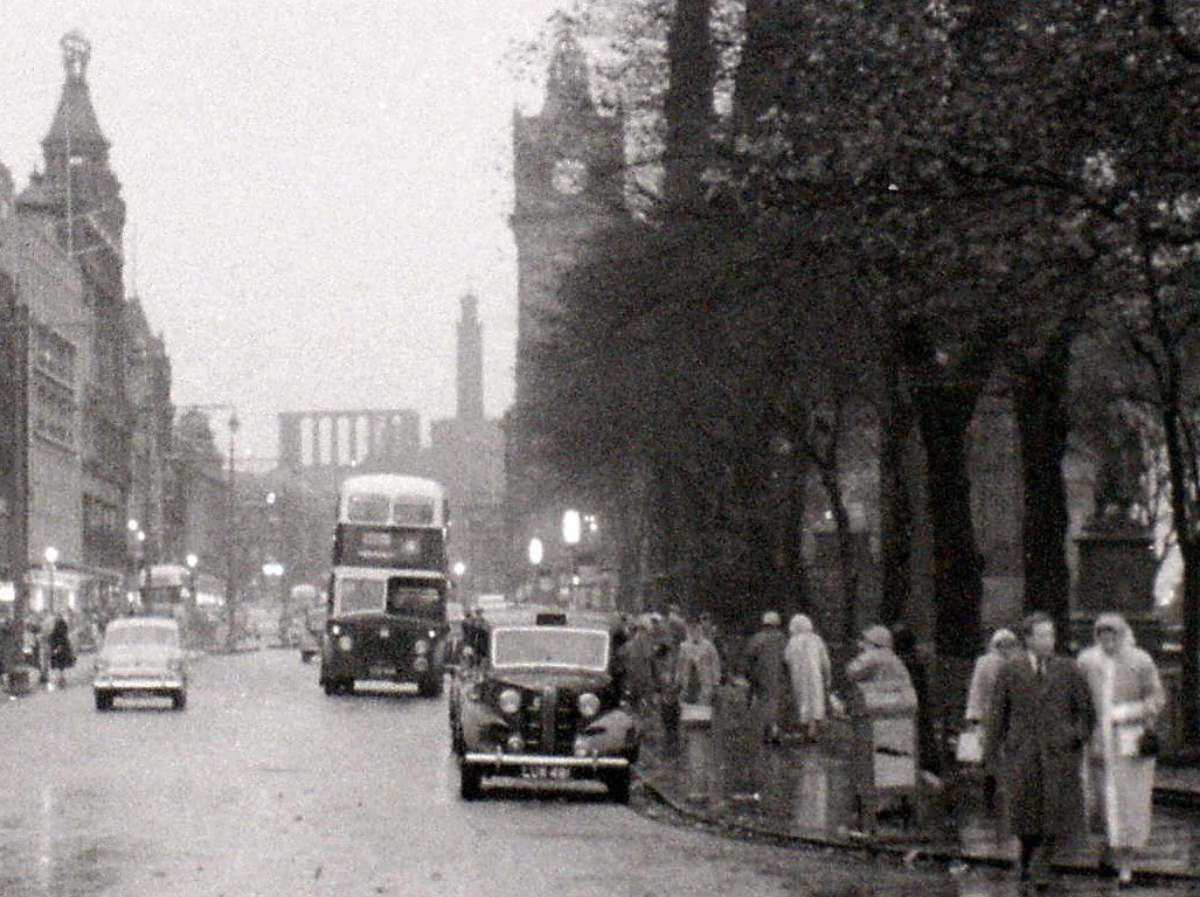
x: 470, y: 781
x: 618, y: 785
x: 104, y: 699
x: 431, y: 685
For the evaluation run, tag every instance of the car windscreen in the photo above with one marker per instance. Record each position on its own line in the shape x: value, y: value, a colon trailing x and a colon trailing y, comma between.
x: 415, y: 599
x: 549, y: 646
x: 356, y: 595
x: 142, y: 635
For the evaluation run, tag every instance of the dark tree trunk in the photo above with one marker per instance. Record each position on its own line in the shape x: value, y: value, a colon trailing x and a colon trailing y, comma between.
x: 688, y: 106
x: 944, y: 414
x: 793, y: 583
x: 1189, y: 678
x: 1043, y: 424
x: 896, y: 509
x: 1183, y: 510
x: 765, y: 76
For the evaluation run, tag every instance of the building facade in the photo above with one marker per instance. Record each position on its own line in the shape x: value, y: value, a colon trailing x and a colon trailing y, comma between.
x: 86, y: 435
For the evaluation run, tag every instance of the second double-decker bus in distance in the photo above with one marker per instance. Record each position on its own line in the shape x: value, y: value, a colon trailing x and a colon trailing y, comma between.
x: 166, y: 591
x: 387, y: 594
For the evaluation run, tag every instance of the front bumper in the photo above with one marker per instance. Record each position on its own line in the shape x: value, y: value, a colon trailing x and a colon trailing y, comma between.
x: 500, y: 760
x: 138, y: 683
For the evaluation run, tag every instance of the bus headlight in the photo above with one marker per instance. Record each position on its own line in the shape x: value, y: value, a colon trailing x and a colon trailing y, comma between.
x: 510, y: 701
x: 345, y: 643
x: 589, y: 705
x: 420, y: 646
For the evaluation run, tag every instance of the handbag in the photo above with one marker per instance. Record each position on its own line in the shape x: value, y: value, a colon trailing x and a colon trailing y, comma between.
x: 1149, y: 744
x: 969, y: 747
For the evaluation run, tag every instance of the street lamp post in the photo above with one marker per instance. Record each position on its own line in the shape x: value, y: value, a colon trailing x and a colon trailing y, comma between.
x: 572, y: 529
x: 536, y: 553
x: 51, y: 556
x: 192, y: 560
x: 273, y: 570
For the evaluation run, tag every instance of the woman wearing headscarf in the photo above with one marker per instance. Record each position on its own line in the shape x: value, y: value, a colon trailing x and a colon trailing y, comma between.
x: 1002, y: 646
x: 876, y: 661
x: 807, y: 660
x: 1128, y: 697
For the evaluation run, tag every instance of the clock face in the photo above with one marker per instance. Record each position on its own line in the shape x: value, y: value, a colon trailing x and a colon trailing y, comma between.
x: 570, y: 176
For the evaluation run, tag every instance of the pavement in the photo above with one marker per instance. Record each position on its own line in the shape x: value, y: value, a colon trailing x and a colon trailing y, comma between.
x: 721, y: 774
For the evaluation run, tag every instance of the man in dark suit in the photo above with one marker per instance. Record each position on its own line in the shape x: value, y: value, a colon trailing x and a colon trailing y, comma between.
x: 1040, y: 720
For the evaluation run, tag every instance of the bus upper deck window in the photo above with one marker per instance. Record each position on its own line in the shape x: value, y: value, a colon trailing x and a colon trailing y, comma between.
x: 413, y: 513
x: 367, y: 508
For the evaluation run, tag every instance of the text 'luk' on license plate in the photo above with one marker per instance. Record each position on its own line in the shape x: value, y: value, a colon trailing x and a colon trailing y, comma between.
x: 383, y: 669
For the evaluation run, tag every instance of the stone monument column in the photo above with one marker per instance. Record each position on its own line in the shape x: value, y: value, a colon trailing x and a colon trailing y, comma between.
x: 1117, y: 564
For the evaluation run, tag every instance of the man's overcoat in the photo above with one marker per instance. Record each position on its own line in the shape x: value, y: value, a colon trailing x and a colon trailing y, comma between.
x: 1036, y: 733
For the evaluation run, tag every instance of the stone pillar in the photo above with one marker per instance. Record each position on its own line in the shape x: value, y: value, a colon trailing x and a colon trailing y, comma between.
x: 1116, y: 573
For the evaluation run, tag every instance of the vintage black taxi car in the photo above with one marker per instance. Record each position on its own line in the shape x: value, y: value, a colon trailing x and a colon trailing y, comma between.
x: 538, y: 695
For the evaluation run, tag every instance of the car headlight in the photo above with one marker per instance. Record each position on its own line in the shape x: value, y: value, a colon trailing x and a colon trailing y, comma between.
x: 420, y: 646
x: 510, y: 701
x: 335, y: 630
x: 589, y: 704
x: 345, y: 643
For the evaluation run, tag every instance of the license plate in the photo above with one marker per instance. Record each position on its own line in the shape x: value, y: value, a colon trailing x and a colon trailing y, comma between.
x: 382, y: 669
x: 551, y: 773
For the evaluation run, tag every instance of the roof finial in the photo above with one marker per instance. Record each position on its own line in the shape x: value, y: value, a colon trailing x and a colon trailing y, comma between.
x: 77, y: 52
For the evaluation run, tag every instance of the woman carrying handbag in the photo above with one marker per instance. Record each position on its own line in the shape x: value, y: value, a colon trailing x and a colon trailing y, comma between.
x: 1128, y: 696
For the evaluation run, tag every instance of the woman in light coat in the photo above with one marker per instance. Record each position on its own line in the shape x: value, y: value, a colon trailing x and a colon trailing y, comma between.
x: 1128, y: 697
x: 807, y: 662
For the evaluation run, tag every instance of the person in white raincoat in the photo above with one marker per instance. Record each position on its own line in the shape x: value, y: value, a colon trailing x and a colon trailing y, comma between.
x: 1128, y: 696
x: 807, y: 662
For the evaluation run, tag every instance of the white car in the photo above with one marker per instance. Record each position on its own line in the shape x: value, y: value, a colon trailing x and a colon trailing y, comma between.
x: 141, y: 656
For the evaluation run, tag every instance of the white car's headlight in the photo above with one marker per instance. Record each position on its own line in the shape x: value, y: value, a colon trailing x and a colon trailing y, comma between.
x: 510, y: 701
x: 589, y: 705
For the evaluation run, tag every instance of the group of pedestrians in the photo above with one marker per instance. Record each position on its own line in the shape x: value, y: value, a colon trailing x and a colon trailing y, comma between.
x: 47, y: 649
x: 1069, y: 741
x: 669, y: 661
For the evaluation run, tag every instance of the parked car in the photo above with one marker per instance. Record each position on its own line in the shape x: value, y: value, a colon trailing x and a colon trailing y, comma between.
x: 538, y: 695
x: 143, y: 657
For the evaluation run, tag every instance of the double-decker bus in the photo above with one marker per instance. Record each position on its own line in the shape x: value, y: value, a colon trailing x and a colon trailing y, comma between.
x: 166, y: 591
x: 386, y: 616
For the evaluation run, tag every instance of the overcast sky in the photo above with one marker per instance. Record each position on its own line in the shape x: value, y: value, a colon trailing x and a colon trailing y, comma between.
x: 311, y: 186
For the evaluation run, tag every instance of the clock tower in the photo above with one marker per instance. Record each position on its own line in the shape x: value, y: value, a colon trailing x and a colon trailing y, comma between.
x: 569, y: 173
x: 569, y: 169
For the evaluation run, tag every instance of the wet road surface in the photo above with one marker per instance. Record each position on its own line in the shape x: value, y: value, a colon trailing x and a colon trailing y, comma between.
x: 265, y: 786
